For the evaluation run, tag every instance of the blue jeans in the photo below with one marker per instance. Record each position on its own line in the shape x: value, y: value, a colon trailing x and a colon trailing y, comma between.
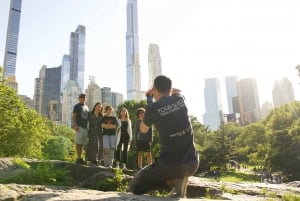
x: 109, y: 144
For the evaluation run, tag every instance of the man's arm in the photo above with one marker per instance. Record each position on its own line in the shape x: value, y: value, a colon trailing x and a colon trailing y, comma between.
x: 74, y: 122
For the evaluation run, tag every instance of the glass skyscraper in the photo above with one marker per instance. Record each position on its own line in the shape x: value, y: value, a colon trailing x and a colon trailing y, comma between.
x: 77, y: 56
x: 213, y: 116
x: 12, y: 36
x: 133, y: 68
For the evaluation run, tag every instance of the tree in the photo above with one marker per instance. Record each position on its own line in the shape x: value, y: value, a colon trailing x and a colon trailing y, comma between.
x: 252, y: 144
x: 22, y: 130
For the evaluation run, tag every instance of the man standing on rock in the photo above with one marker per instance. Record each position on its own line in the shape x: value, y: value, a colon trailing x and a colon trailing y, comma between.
x: 79, y: 123
x: 178, y: 156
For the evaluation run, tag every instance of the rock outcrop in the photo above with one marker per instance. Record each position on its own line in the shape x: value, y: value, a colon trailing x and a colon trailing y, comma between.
x: 86, y: 178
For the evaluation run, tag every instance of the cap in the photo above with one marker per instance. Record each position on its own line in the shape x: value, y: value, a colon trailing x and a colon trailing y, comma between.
x: 81, y: 96
x: 139, y: 110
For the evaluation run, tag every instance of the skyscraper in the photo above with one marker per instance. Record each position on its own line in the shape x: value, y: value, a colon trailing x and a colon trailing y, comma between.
x: 133, y: 68
x: 283, y: 92
x: 154, y: 63
x: 249, y: 106
x: 231, y: 90
x: 12, y: 36
x: 213, y: 116
x: 77, y: 55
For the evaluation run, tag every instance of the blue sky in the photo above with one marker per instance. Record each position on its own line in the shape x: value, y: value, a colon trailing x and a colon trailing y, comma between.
x: 197, y: 40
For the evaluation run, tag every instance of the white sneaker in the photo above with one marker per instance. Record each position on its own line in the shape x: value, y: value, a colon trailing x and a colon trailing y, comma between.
x: 117, y: 165
x: 124, y: 166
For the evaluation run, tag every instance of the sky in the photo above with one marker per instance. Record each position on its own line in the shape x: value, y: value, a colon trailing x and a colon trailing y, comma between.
x: 198, y: 39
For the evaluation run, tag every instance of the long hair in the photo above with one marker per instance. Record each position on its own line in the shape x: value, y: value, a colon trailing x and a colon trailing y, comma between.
x: 96, y: 104
x: 126, y: 113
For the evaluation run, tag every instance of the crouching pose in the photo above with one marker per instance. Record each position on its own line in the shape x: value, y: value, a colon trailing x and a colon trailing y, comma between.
x: 178, y: 156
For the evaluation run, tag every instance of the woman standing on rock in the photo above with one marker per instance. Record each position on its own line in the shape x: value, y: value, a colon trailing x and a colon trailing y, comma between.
x: 109, y: 125
x: 95, y: 144
x: 124, y: 137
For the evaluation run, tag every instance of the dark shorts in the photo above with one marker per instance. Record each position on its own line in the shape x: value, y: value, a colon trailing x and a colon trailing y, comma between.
x: 143, y: 146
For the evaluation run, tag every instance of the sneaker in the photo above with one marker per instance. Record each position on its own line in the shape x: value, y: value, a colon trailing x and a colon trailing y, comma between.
x: 117, y: 165
x: 181, y: 186
x: 124, y: 166
x: 80, y: 161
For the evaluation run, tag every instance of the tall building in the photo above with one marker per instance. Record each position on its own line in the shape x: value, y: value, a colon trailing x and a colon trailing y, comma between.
x: 77, y: 55
x: 12, y: 36
x: 133, y: 68
x: 283, y: 92
x: 39, y: 89
x: 249, y: 106
x: 154, y: 63
x: 106, y: 96
x: 117, y: 99
x: 65, y: 73
x: 266, y: 108
x: 231, y: 83
x: 93, y: 94
x: 213, y: 116
x: 51, y: 94
x: 70, y: 98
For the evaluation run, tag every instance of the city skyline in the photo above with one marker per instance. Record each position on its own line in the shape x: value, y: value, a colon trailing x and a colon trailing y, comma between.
x: 197, y: 40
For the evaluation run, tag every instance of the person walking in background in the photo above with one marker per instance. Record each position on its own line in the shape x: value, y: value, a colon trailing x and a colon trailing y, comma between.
x: 178, y: 157
x: 124, y: 137
x: 95, y: 144
x: 109, y: 126
x: 79, y: 124
x: 143, y: 140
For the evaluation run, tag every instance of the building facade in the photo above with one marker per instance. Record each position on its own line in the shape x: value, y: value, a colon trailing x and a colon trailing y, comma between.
x: 154, y: 63
x: 213, y: 116
x: 133, y: 68
x: 12, y: 37
x: 77, y: 55
x: 248, y: 98
x: 283, y: 92
x: 93, y: 94
x: 231, y: 83
x: 70, y: 99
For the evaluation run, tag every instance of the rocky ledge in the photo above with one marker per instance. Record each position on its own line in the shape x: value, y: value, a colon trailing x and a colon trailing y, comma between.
x: 86, y: 176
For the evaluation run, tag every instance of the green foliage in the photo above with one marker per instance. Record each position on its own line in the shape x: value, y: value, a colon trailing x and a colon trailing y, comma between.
x: 236, y: 176
x: 132, y: 106
x: 290, y: 197
x: 57, y: 147
x: 117, y: 183
x: 43, y: 174
x: 21, y: 130
x: 21, y: 163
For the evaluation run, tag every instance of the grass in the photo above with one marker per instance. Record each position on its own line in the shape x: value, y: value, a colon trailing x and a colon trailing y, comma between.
x: 235, y: 176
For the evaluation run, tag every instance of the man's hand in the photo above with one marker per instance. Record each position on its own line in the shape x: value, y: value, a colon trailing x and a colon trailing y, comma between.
x: 174, y: 91
x: 149, y: 92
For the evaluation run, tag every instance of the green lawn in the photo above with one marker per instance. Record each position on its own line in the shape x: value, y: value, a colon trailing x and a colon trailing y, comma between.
x: 235, y: 176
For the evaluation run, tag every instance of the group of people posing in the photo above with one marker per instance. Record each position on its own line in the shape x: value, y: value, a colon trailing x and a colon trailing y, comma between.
x: 106, y: 137
x: 166, y: 110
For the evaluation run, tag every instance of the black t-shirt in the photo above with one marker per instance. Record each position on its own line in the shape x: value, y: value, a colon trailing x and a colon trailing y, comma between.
x: 109, y: 120
x: 81, y: 111
x: 170, y: 117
